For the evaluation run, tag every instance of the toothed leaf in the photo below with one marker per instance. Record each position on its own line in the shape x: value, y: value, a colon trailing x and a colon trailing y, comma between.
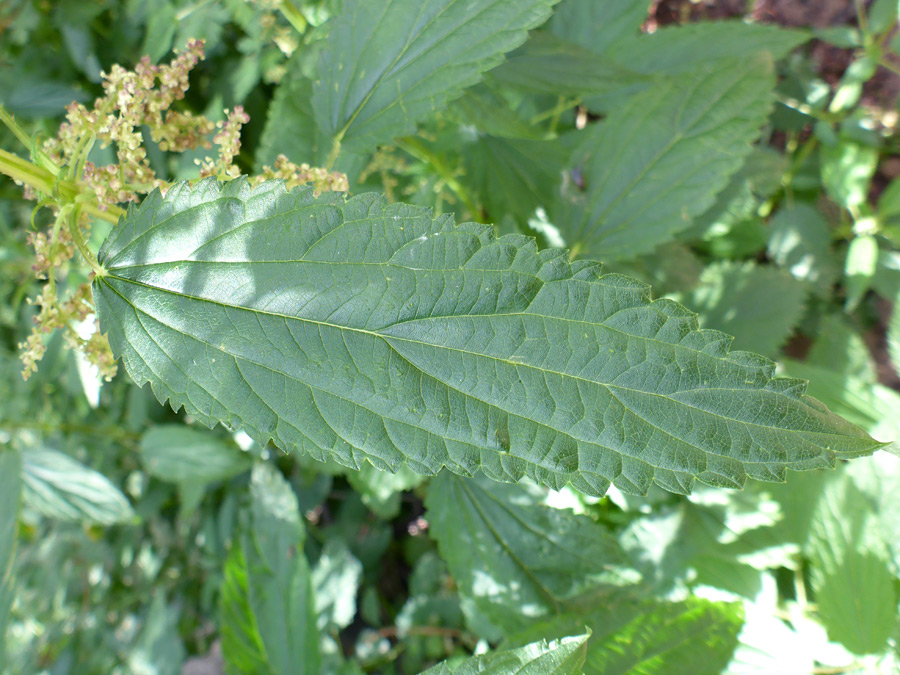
x: 361, y: 330
x: 389, y: 63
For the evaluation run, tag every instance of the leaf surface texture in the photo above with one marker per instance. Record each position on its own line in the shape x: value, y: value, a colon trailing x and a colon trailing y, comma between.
x: 368, y: 331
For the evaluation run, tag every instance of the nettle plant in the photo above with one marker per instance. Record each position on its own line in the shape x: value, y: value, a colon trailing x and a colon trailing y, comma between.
x: 394, y: 342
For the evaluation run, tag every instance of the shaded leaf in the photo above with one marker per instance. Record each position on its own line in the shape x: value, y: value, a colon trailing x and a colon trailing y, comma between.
x: 517, y: 558
x: 759, y: 305
x: 361, y: 330
x: 799, y: 241
x: 514, y: 177
x: 178, y: 454
x: 680, y: 48
x: 598, y: 26
x: 60, y: 487
x: 854, y: 587
x: 648, y: 171
x: 548, y: 65
x: 389, y: 63
x: 267, y: 610
x: 562, y: 657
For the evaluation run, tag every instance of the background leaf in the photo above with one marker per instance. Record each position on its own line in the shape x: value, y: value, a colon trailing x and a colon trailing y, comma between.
x: 648, y: 171
x: 373, y: 86
x: 599, y: 26
x: 267, y: 610
x: 633, y: 635
x: 516, y: 557
x: 176, y: 454
x: 426, y: 344
x: 60, y: 487
x: 757, y: 304
x: 855, y: 590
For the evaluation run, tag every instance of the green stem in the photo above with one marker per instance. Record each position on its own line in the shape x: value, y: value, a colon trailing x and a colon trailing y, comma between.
x: 414, y: 147
x: 25, y: 139
x: 81, y: 244
x: 884, y: 63
x: 335, y: 151
x: 294, y: 16
x: 14, y: 127
x: 45, y: 182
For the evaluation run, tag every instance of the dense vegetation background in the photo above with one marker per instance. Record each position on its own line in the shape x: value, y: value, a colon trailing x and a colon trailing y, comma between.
x: 135, y: 546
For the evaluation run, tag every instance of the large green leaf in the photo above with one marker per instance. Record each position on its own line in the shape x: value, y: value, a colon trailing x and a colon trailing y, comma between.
x: 10, y: 496
x: 361, y: 330
x: 58, y: 486
x: 659, y: 160
x: 389, y: 63
x: 516, y: 557
x: 267, y: 610
x: 559, y: 657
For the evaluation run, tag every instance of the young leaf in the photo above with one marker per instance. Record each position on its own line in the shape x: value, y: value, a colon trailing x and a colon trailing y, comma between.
x: 267, y: 611
x: 389, y: 63
x: 363, y: 330
x: 516, y: 557
x: 60, y: 487
x: 648, y: 170
x: 559, y: 657
x: 10, y: 496
x: 177, y: 454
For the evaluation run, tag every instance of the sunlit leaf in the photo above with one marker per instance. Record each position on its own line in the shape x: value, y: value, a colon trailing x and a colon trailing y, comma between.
x: 361, y: 330
x: 562, y: 657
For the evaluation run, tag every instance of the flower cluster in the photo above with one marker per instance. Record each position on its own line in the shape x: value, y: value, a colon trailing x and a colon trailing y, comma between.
x: 293, y: 175
x: 132, y: 100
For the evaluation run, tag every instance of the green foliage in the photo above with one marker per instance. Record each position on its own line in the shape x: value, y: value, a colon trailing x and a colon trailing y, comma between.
x: 267, y: 607
x: 450, y: 312
x: 373, y: 86
x: 648, y: 171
